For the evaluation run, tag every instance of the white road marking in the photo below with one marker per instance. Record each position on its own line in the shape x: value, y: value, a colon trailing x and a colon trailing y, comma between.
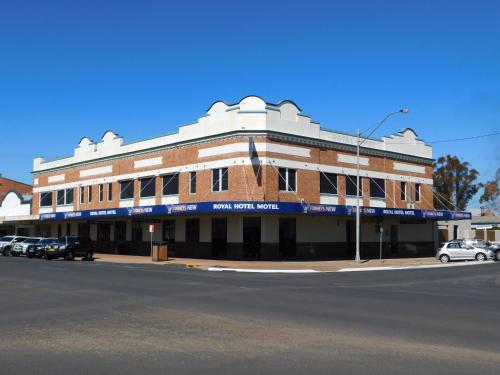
x: 219, y: 269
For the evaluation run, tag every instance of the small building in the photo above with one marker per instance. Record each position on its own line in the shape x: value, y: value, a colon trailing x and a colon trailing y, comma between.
x: 247, y: 180
x: 15, y: 215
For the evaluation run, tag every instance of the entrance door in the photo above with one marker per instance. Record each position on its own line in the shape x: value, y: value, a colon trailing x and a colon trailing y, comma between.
x: 394, y: 239
x: 251, y: 237
x: 103, y: 236
x: 287, y: 244
x: 120, y: 236
x: 219, y: 237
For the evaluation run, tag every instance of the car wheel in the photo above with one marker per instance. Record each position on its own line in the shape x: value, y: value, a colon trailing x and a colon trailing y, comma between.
x: 480, y: 257
x: 6, y: 252
x: 69, y: 255
x: 444, y: 258
x: 89, y: 257
x: 497, y: 255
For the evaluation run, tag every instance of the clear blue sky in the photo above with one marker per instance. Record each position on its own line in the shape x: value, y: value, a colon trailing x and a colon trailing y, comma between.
x: 142, y: 68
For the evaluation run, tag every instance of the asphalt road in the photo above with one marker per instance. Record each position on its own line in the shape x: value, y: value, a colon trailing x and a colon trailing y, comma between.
x: 59, y: 317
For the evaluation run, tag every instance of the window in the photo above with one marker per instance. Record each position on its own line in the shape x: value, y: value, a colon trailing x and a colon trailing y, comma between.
x: 148, y: 187
x: 417, y: 192
x: 46, y: 199
x: 193, y: 230
x: 101, y: 192
x: 350, y: 186
x: 192, y: 182
x: 68, y: 229
x: 169, y: 231
x: 219, y: 179
x: 110, y: 191
x: 403, y: 190
x: 89, y: 194
x: 82, y: 194
x: 171, y: 184
x: 64, y: 197
x: 327, y: 183
x: 377, y: 188
x: 127, y: 189
x: 287, y: 179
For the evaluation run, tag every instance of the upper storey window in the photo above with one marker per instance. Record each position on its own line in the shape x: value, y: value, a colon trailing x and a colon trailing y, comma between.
x: 127, y: 189
x: 148, y: 187
x: 328, y: 183
x: 350, y: 186
x: 171, y: 184
x: 377, y: 188
x: 64, y: 197
x: 46, y: 199
x: 287, y: 179
x: 219, y: 179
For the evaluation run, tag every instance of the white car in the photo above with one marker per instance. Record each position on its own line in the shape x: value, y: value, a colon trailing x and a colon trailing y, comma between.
x: 458, y: 250
x: 21, y: 248
x: 8, y: 242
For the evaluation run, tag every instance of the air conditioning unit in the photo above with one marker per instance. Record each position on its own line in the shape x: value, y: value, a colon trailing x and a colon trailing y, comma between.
x: 410, y: 205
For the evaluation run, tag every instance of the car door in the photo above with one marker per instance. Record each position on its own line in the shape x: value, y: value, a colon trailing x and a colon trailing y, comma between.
x: 467, y: 251
x: 455, y: 251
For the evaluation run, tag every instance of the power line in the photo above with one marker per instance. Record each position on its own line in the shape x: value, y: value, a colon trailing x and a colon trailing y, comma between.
x: 466, y: 138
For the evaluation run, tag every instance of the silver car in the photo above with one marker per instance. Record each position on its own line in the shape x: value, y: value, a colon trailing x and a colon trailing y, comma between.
x: 458, y: 250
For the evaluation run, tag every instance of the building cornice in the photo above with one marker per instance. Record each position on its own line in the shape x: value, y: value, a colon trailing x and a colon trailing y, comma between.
x: 272, y: 135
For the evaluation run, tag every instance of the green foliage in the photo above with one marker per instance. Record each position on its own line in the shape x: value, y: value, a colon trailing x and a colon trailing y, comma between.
x: 454, y: 183
x: 491, y: 194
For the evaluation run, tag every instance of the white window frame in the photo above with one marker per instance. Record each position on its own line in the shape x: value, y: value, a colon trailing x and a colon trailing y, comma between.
x: 219, y: 190
x: 287, y: 185
x: 100, y: 192
x: 191, y: 181
x: 110, y: 190
x: 65, y: 200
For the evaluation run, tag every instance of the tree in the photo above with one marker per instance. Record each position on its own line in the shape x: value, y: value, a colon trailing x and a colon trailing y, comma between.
x: 454, y: 183
x: 491, y: 194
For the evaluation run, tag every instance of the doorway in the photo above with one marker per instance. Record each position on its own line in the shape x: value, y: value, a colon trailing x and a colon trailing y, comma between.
x: 251, y: 237
x: 103, y: 236
x: 120, y: 236
x: 219, y: 237
x: 287, y: 240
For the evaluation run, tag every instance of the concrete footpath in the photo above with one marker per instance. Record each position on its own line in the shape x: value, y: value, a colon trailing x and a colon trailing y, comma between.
x: 272, y: 266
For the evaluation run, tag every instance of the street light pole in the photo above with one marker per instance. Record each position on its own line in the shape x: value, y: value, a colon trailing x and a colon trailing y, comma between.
x: 359, y: 142
x: 358, y: 259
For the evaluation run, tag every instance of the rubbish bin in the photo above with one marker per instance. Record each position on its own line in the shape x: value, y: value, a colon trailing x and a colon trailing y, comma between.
x: 160, y: 252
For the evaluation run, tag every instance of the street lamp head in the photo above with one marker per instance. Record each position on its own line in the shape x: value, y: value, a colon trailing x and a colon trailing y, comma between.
x: 404, y: 110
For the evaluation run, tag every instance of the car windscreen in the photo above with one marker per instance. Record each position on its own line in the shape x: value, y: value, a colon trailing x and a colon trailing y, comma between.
x: 6, y: 239
x: 481, y: 244
x: 32, y: 240
x: 21, y: 239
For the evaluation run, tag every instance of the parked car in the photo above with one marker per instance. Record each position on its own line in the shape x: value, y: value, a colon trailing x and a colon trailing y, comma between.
x: 20, y: 248
x: 459, y: 250
x: 486, y: 244
x: 38, y: 249
x: 69, y: 247
x: 7, y: 242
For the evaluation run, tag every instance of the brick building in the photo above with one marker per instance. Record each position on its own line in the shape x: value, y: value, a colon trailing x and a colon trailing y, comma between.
x: 247, y: 180
x: 7, y: 185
